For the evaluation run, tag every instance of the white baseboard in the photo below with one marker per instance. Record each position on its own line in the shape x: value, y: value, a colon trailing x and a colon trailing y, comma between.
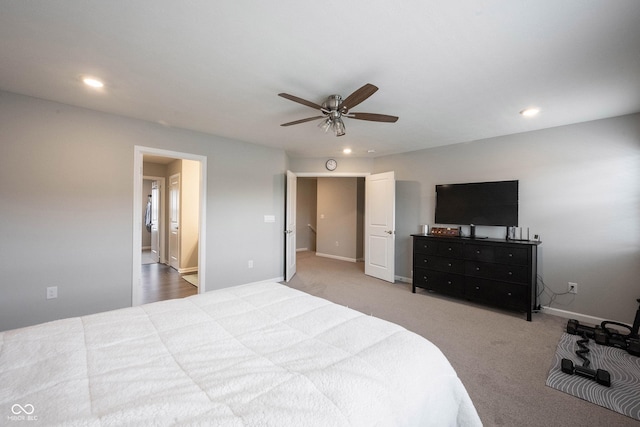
x: 341, y: 258
x: 146, y: 248
x: 302, y: 249
x: 403, y: 279
x: 582, y: 318
x: 188, y: 270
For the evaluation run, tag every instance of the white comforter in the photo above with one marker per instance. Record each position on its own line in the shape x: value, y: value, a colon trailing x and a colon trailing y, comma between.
x: 252, y: 355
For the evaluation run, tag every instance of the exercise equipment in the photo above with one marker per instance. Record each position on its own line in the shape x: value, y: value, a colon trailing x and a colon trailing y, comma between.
x: 599, y: 375
x: 603, y: 334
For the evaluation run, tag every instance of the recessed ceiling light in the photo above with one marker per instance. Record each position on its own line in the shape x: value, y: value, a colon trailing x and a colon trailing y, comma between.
x: 530, y: 112
x: 93, y: 82
x: 347, y: 151
x: 371, y: 151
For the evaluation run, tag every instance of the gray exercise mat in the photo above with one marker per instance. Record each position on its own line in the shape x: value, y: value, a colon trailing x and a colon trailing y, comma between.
x: 624, y: 394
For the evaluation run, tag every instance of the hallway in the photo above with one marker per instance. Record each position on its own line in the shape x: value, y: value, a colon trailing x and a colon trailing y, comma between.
x: 161, y: 282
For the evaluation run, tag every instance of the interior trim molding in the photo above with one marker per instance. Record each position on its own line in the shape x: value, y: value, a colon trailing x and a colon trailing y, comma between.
x: 341, y: 258
x: 582, y: 318
x: 138, y: 173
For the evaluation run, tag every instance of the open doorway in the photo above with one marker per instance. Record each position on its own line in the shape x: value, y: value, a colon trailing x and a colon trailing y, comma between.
x: 379, y: 224
x: 153, y: 232
x: 169, y: 250
x: 330, y: 217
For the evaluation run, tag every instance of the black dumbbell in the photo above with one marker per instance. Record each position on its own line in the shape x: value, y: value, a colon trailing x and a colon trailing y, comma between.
x: 600, y: 336
x: 601, y: 376
x: 572, y: 326
x: 567, y: 366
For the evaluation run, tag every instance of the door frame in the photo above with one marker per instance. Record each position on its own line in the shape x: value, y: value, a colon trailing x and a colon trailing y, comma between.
x: 323, y: 175
x: 290, y: 245
x: 170, y: 262
x: 136, y: 276
x: 161, y: 229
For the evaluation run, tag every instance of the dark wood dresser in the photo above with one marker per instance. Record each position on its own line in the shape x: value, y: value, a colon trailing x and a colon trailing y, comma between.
x: 497, y: 272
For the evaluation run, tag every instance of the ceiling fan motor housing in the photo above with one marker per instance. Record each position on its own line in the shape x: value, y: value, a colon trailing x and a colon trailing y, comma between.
x: 332, y: 104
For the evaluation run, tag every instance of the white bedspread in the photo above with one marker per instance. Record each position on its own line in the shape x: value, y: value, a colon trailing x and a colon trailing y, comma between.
x: 251, y: 355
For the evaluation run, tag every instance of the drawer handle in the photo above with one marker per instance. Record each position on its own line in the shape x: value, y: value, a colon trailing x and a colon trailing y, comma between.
x: 449, y: 264
x: 449, y: 282
x: 477, y: 252
x: 477, y: 268
x: 425, y: 278
x: 450, y: 249
x: 426, y: 260
x: 510, y: 274
x: 510, y: 255
x: 477, y: 288
x: 509, y: 293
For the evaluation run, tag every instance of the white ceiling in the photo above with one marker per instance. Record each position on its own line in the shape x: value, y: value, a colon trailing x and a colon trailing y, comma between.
x: 453, y: 71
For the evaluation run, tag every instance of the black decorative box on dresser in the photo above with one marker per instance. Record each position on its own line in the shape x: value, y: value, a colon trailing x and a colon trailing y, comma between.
x: 492, y: 271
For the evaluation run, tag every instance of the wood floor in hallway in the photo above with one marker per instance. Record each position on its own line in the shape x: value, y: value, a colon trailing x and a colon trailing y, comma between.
x: 161, y: 282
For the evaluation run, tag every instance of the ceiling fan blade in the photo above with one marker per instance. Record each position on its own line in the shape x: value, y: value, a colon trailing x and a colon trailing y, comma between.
x: 300, y: 101
x: 302, y: 121
x: 373, y: 117
x: 358, y: 96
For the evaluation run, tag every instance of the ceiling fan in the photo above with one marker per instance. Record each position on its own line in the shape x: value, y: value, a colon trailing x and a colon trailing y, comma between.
x: 334, y: 108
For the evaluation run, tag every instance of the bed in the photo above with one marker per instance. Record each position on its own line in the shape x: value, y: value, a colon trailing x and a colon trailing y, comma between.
x: 252, y: 355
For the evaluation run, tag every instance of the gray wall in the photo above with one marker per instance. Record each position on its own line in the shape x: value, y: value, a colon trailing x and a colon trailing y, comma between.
x: 338, y: 217
x: 579, y: 190
x: 346, y: 164
x: 66, y: 208
x: 66, y: 174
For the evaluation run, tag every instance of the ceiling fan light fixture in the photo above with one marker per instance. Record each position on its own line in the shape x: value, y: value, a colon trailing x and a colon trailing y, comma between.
x: 325, y: 124
x: 338, y: 127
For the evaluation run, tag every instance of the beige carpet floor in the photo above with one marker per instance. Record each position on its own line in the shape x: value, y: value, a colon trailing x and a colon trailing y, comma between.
x: 502, y: 359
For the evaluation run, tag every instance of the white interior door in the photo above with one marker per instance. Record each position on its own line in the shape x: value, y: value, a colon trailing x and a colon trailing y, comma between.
x: 290, y: 227
x: 174, y: 221
x: 380, y: 212
x: 155, y: 220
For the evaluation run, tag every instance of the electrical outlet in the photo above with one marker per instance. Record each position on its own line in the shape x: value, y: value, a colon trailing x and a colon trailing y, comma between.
x: 52, y: 292
x: 250, y: 263
x: 572, y: 288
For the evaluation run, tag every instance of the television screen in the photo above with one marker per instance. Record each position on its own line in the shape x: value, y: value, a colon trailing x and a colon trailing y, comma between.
x: 479, y: 203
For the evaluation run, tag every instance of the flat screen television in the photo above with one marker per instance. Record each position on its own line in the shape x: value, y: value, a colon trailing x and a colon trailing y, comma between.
x: 479, y: 203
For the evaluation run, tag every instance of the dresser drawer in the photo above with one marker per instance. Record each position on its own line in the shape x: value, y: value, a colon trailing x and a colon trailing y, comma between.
x: 512, y: 255
x: 479, y: 252
x: 507, y: 295
x: 425, y: 246
x: 449, y: 249
x: 446, y: 265
x: 451, y: 284
x: 503, y: 272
